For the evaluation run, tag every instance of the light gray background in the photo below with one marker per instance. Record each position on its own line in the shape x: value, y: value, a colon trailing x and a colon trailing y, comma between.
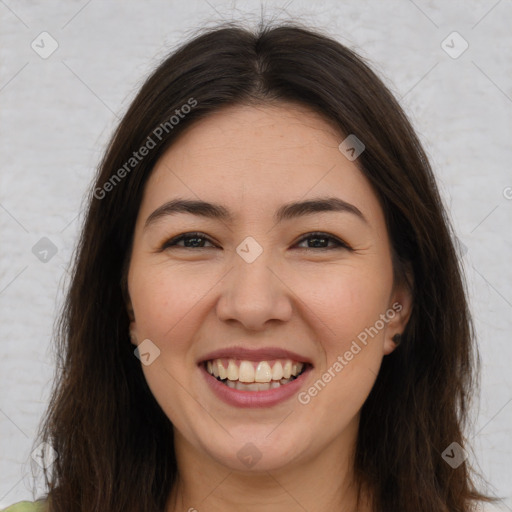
x: 56, y: 115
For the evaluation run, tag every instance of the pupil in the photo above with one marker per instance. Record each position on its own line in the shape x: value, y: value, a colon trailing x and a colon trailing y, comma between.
x: 315, y: 241
x: 194, y: 243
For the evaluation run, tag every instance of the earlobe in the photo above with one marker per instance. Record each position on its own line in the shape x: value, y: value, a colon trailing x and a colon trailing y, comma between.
x: 129, y: 310
x: 132, y: 328
x: 397, y: 338
x: 402, y: 302
x: 133, y: 336
x: 392, y: 342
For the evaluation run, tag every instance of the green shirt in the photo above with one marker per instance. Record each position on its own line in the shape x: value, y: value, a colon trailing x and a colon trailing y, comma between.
x: 27, y: 506
x: 40, y: 506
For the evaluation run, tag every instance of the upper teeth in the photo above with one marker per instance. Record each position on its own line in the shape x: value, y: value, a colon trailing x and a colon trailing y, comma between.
x: 251, y: 371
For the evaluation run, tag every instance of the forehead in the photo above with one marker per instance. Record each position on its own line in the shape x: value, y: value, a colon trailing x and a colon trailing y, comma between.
x: 254, y: 157
x: 271, y: 138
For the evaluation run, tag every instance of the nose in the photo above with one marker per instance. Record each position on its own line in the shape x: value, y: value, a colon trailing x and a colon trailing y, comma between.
x: 253, y: 294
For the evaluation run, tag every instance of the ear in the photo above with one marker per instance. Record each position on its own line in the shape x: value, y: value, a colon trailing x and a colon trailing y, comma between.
x: 133, y: 324
x: 399, y: 312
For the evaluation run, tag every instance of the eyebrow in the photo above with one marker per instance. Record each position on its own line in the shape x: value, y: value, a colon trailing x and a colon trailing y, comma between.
x: 286, y: 212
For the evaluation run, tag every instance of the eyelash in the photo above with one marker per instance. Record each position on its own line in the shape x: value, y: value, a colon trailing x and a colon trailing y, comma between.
x: 316, y: 234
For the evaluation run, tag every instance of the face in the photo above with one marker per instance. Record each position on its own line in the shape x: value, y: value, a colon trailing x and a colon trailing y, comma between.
x: 292, y: 308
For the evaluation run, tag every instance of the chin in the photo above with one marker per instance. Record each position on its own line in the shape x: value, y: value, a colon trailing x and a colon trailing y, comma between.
x: 255, y: 448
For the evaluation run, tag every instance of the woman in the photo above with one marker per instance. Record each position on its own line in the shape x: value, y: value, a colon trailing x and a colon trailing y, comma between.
x: 267, y: 311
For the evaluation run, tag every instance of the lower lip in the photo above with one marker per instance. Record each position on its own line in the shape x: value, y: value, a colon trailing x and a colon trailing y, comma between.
x: 255, y: 399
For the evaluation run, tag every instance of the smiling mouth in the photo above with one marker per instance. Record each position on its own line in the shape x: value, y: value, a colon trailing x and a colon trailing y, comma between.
x: 245, y: 375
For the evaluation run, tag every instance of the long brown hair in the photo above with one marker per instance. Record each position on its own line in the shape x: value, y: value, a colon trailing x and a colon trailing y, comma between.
x: 114, y: 443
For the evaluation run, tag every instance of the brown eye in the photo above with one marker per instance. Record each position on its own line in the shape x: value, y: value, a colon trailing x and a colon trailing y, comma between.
x: 321, y: 241
x: 190, y: 241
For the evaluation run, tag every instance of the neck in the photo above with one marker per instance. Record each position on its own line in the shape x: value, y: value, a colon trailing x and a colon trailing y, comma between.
x: 318, y: 483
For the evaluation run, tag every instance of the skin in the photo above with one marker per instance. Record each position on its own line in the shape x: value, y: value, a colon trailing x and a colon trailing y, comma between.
x: 190, y: 301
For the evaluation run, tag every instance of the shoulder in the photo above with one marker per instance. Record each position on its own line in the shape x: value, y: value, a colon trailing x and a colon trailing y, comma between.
x: 27, y: 506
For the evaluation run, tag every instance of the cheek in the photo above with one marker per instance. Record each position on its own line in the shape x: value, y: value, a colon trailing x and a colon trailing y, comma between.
x: 166, y: 299
x: 346, y: 311
x: 346, y: 301
x: 167, y: 302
